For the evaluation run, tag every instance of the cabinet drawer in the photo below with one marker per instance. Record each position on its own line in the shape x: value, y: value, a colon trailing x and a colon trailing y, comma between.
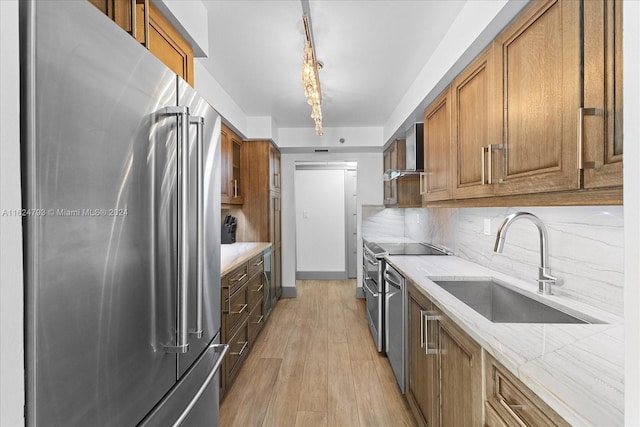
x: 235, y: 310
x: 255, y: 290
x: 514, y: 402
x: 255, y: 265
x: 236, y: 278
x: 256, y: 321
x: 238, y: 349
x: 491, y: 417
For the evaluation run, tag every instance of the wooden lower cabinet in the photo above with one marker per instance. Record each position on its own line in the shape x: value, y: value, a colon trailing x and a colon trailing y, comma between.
x: 242, y: 315
x: 445, y: 368
x: 423, y: 370
x: 454, y: 382
x: 509, y: 402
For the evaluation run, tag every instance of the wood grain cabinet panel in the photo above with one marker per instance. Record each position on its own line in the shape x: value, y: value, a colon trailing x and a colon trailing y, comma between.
x: 422, y: 392
x: 602, y: 96
x: 510, y: 402
x: 460, y: 362
x: 475, y: 128
x: 403, y: 192
x: 231, y: 189
x: 445, y: 368
x: 539, y: 59
x: 261, y: 177
x: 165, y: 42
x: 242, y: 315
x: 437, y: 148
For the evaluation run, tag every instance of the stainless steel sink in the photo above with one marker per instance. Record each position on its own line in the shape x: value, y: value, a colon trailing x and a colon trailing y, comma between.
x: 501, y: 304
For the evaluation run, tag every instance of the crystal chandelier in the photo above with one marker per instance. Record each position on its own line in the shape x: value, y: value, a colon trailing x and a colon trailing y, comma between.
x: 310, y: 78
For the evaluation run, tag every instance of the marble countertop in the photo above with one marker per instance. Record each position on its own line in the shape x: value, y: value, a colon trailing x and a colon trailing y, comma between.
x: 578, y: 370
x: 234, y: 254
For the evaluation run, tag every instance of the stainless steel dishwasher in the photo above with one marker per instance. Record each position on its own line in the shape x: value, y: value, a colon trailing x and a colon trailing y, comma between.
x: 396, y: 323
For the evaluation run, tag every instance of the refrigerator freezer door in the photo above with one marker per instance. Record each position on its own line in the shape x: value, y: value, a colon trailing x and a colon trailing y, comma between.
x: 98, y: 314
x: 204, y: 224
x: 193, y: 402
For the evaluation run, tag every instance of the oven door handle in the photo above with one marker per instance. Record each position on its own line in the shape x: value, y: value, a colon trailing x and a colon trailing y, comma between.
x: 366, y: 287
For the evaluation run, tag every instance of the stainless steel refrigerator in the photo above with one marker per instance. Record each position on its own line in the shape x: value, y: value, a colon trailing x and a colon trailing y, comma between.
x: 121, y: 191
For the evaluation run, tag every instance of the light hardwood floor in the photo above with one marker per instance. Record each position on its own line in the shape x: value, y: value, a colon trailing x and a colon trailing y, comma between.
x: 315, y: 365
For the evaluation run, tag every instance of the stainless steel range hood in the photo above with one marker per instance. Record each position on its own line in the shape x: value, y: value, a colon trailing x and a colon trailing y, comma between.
x: 414, y: 159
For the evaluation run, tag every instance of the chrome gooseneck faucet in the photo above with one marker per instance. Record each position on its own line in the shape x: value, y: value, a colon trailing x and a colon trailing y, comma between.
x: 545, y: 280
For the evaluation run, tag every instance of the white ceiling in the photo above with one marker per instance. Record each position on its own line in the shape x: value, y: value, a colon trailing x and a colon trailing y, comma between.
x: 372, y: 51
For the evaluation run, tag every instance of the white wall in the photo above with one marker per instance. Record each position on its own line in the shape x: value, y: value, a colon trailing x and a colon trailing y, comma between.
x: 476, y: 25
x: 369, y: 190
x: 631, y: 54
x: 11, y: 293
x: 306, y: 137
x: 320, y: 220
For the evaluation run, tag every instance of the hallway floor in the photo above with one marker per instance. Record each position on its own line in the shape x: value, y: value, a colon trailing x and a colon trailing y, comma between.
x: 315, y: 365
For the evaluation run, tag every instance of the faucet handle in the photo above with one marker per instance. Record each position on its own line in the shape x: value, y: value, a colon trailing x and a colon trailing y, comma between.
x: 545, y: 280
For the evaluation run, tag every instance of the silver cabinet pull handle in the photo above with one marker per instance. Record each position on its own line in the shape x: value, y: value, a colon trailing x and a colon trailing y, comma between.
x: 490, y: 148
x: 428, y: 315
x: 182, y: 113
x: 244, y: 306
x: 259, y: 288
x: 513, y: 414
x: 244, y: 347
x: 259, y: 320
x: 199, y: 122
x: 241, y: 278
x: 423, y: 187
x: 581, y: 113
x: 258, y: 263
x: 483, y: 149
x: 423, y: 313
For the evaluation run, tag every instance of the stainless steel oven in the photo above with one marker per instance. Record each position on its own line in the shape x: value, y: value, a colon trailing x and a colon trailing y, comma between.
x: 372, y: 268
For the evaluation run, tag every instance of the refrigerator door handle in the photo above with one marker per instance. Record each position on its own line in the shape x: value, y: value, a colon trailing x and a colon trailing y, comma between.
x: 182, y: 113
x: 218, y: 348
x: 199, y: 122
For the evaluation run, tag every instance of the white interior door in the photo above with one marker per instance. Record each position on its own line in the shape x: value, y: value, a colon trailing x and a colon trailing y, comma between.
x: 321, y: 249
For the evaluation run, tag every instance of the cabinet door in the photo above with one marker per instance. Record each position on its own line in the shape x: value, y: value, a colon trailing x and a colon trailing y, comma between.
x: 165, y: 42
x: 423, y: 370
x: 539, y: 57
x: 602, y: 96
x: 230, y: 183
x: 386, y: 164
x: 236, y: 184
x: 437, y: 151
x: 475, y: 126
x: 225, y: 165
x: 392, y: 161
x: 274, y: 169
x: 460, y: 376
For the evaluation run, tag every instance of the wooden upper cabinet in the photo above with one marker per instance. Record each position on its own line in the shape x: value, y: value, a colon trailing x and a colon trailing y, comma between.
x: 475, y: 128
x: 164, y: 40
x: 391, y: 158
x: 539, y: 59
x: 230, y: 170
x: 602, y: 96
x: 275, y: 175
x: 437, y: 148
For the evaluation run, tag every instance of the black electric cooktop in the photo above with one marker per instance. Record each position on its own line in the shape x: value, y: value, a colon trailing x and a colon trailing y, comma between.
x: 411, y: 249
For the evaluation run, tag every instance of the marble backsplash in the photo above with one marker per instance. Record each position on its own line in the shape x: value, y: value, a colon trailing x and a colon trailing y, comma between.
x: 586, y: 244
